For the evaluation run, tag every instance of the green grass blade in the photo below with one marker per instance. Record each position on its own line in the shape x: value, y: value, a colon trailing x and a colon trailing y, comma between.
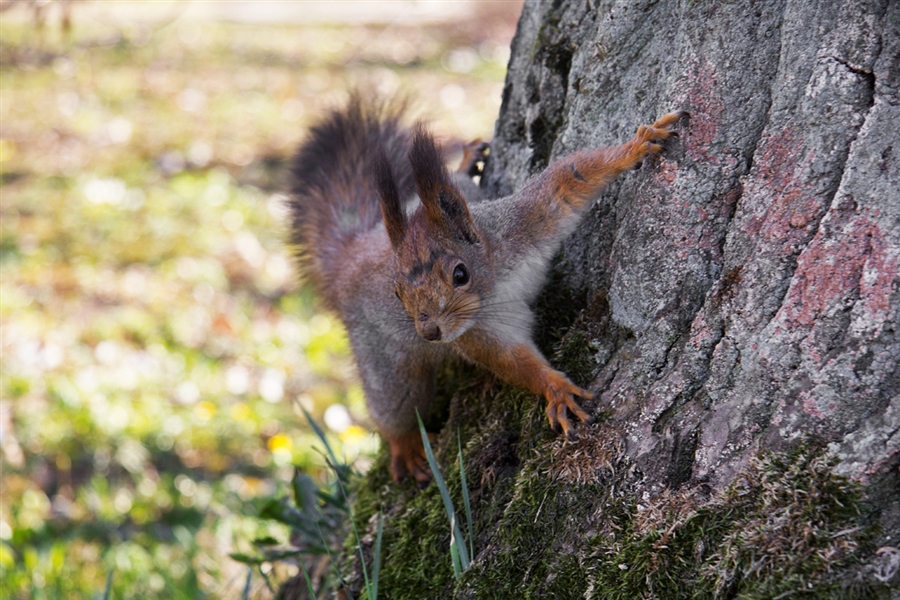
x: 454, y: 557
x: 246, y: 594
x: 309, y: 585
x: 465, y: 494
x: 376, y: 561
x: 445, y: 496
x: 362, y: 558
x: 458, y: 545
x: 334, y: 564
x: 108, y: 589
x: 268, y: 581
x: 321, y: 433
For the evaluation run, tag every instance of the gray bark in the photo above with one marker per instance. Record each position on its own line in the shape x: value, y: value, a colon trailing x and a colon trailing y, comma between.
x: 754, y: 268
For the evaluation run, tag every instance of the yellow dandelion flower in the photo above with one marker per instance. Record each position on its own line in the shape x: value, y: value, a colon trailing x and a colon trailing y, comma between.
x: 280, y: 442
x: 353, y: 435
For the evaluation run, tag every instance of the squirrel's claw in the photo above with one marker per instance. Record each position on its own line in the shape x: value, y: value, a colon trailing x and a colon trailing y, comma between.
x: 667, y: 120
x: 559, y: 400
x: 408, y: 457
x: 646, y: 140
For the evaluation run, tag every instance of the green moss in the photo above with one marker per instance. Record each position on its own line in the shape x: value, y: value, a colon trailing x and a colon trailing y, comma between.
x: 786, y: 525
x: 534, y: 552
x: 576, y: 357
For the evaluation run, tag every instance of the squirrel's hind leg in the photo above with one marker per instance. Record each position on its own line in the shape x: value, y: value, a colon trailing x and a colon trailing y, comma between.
x: 396, y: 388
x: 408, y: 457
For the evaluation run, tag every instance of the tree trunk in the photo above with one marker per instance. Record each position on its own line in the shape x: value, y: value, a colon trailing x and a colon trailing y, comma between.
x: 733, y: 305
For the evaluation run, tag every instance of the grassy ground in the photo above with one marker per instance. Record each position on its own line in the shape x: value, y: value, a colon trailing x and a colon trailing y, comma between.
x: 154, y: 347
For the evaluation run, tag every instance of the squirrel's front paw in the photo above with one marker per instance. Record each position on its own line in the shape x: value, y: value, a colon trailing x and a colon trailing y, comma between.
x: 408, y: 457
x: 560, y: 397
x: 647, y: 137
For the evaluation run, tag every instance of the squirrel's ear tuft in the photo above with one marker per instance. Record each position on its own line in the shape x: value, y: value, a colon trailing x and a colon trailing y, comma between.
x: 428, y: 171
x: 444, y: 204
x: 389, y: 198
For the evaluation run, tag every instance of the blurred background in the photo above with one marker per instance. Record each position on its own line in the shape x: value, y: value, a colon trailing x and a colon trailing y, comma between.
x: 156, y: 351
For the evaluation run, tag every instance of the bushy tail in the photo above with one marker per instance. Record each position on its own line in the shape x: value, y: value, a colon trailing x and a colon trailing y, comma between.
x: 333, y: 195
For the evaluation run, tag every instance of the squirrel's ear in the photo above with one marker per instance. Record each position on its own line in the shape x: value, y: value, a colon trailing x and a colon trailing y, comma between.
x: 444, y: 204
x: 389, y: 198
x: 456, y: 214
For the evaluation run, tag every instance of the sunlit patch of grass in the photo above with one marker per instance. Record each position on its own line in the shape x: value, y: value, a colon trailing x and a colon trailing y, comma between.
x: 153, y: 340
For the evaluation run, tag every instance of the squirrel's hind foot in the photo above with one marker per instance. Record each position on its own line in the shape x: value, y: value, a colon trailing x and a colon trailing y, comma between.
x: 408, y: 457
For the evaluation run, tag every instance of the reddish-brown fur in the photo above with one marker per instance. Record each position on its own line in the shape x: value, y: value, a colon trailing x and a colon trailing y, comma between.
x: 524, y: 366
x: 452, y: 278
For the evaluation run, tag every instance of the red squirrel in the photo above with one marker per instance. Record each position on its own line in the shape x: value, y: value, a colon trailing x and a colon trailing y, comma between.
x: 420, y: 267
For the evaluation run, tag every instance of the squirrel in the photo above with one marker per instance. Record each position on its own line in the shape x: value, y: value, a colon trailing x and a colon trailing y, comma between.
x: 420, y: 267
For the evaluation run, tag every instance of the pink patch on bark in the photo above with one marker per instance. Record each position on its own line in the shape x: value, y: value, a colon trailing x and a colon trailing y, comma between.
x: 778, y: 416
x: 668, y: 172
x: 697, y: 91
x: 879, y: 272
x: 811, y: 406
x: 778, y: 191
x: 834, y: 266
x: 813, y: 353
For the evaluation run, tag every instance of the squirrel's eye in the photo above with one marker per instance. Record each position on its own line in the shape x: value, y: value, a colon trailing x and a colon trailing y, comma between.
x: 460, y: 275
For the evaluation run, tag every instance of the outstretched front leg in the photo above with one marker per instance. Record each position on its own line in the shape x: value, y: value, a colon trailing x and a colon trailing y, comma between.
x: 523, y: 365
x: 575, y: 180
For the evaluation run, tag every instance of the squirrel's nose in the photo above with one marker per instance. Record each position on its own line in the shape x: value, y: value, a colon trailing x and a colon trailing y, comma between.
x: 431, y: 332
